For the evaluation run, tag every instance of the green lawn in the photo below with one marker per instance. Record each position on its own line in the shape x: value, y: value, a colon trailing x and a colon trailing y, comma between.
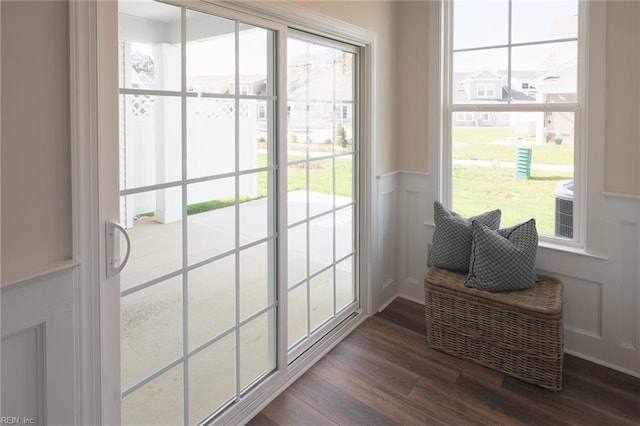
x: 320, y: 176
x: 475, y: 143
x: 540, y: 154
x: 478, y: 189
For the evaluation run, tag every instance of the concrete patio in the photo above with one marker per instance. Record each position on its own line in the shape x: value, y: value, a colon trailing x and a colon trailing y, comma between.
x: 153, y: 327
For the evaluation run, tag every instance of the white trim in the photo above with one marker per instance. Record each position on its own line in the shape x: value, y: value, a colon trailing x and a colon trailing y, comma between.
x: 59, y: 268
x: 82, y: 30
x: 603, y: 363
x: 402, y: 172
x: 620, y: 195
x: 388, y: 302
x: 0, y: 197
x: 592, y: 214
x: 301, y: 18
x: 104, y: 101
x: 412, y: 299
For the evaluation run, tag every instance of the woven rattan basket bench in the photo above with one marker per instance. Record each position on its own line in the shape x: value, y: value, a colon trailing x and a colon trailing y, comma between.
x: 518, y: 333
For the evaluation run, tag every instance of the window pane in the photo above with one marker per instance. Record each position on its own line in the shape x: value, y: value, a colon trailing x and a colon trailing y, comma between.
x: 257, y: 348
x: 321, y: 288
x: 255, y: 134
x: 256, y: 220
x: 211, y: 64
x: 297, y: 194
x: 211, y: 219
x: 165, y: 407
x: 150, y: 140
x: 344, y: 232
x: 211, y: 137
x: 480, y: 76
x: 343, y: 135
x: 257, y: 289
x: 480, y: 23
x: 320, y: 242
x: 545, y: 73
x: 297, y: 315
x: 212, y: 378
x: 515, y: 161
x: 256, y: 67
x: 344, y: 180
x: 151, y: 330
x: 544, y: 20
x: 297, y: 254
x: 320, y: 186
x: 212, y: 295
x: 149, y: 34
x: 154, y: 223
x: 345, y: 284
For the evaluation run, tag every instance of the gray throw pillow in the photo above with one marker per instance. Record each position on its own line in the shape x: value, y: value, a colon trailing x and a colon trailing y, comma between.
x: 503, y: 260
x: 451, y: 243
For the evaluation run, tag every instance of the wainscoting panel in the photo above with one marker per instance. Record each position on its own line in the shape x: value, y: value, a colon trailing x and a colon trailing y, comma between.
x: 23, y: 374
x: 602, y: 292
x: 582, y: 306
x: 38, y: 355
x: 385, y: 266
x: 413, y: 244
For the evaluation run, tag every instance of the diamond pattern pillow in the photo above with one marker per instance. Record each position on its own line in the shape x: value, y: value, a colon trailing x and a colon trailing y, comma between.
x: 503, y: 260
x: 451, y: 243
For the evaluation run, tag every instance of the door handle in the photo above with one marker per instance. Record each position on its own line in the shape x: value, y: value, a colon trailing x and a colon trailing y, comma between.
x: 112, y: 260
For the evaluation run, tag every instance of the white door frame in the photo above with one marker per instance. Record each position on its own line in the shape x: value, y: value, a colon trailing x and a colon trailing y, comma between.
x: 94, y: 107
x: 94, y: 91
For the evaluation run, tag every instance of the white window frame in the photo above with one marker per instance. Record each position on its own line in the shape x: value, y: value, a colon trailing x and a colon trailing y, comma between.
x: 582, y: 128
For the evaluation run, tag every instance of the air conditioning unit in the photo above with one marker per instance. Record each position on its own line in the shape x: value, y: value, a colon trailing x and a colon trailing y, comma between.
x: 564, y: 209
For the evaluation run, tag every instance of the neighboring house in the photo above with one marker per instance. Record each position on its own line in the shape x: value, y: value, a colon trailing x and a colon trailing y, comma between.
x: 559, y: 85
x: 491, y: 87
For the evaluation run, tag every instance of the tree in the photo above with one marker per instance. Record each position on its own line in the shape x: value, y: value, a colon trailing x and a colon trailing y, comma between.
x: 341, y: 136
x: 141, y: 62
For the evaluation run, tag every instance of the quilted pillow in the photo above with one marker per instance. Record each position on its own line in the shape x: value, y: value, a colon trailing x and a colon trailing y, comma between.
x: 451, y: 243
x: 503, y: 260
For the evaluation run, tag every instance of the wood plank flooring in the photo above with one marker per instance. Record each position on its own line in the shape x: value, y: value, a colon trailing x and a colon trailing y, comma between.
x: 384, y: 373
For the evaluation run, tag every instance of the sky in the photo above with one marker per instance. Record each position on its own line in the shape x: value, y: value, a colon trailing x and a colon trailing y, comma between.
x: 479, y: 23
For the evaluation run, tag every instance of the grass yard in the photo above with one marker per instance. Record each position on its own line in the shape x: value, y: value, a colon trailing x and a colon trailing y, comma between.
x: 320, y: 176
x: 478, y: 143
x: 541, y: 154
x: 478, y: 189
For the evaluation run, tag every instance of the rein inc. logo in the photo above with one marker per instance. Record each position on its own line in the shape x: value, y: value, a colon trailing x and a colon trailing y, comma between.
x: 7, y: 420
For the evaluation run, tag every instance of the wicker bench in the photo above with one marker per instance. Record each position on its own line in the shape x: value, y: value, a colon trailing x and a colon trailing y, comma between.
x: 518, y: 333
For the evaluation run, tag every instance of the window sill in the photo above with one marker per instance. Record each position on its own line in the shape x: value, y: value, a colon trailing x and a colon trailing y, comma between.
x: 549, y: 245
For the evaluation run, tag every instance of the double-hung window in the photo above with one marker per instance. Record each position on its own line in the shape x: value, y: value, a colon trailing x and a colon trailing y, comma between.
x: 515, y: 66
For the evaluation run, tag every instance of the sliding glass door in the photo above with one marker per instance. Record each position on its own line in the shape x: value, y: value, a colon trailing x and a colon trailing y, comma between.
x: 322, y: 150
x: 236, y: 215
x: 197, y: 157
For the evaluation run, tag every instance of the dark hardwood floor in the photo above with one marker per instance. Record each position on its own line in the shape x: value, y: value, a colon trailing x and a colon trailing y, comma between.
x: 384, y: 373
